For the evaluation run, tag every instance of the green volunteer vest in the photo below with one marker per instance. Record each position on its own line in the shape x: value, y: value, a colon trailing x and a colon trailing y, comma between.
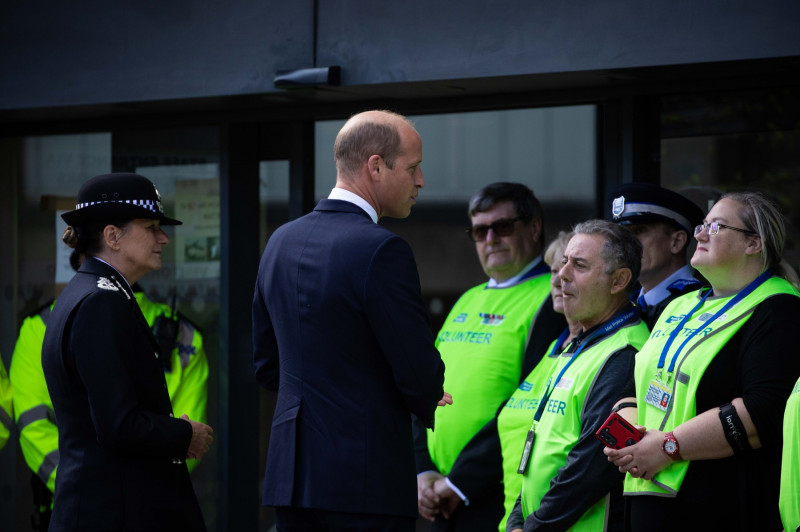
x: 790, y: 467
x: 678, y: 391
x: 560, y: 425
x: 482, y: 344
x: 513, y: 423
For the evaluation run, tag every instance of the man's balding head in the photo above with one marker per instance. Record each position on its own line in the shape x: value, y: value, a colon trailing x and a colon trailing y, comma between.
x: 366, y: 134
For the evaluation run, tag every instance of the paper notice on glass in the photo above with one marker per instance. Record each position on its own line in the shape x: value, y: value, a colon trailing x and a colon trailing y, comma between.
x: 197, y: 244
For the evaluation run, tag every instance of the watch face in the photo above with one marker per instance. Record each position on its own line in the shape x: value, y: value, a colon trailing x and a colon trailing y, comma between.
x: 670, y: 446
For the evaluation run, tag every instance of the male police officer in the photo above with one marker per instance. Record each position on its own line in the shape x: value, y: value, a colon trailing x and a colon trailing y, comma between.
x: 664, y: 222
x: 567, y: 480
x: 483, y: 344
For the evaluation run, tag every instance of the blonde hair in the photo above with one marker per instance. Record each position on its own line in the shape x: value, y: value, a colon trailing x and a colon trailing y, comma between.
x: 558, y: 243
x: 762, y: 216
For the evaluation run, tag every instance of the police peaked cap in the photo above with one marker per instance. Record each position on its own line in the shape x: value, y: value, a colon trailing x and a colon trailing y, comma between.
x: 117, y: 197
x: 642, y: 203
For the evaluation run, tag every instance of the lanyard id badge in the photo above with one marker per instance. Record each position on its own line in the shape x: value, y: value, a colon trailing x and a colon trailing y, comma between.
x: 658, y: 395
x: 526, y: 451
x: 612, y: 326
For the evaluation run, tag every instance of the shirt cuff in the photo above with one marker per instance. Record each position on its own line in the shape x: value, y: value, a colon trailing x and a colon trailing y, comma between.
x: 458, y: 491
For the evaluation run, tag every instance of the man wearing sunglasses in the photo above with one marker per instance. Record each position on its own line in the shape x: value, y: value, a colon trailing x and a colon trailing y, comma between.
x: 488, y: 342
x: 664, y: 222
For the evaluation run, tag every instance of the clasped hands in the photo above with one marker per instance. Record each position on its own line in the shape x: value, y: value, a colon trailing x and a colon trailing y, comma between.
x: 643, y: 459
x: 201, y: 438
x: 434, y: 496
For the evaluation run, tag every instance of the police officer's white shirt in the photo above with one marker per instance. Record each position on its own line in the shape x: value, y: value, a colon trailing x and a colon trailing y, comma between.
x: 517, y: 278
x: 661, y: 291
x: 345, y: 195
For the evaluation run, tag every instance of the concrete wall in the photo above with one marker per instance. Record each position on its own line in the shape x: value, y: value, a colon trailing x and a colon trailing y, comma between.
x: 57, y: 54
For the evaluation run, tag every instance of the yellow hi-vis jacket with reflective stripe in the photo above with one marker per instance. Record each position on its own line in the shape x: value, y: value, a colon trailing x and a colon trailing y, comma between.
x: 33, y: 410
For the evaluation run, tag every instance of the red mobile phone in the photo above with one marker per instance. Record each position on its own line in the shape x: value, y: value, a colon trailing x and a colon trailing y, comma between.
x: 618, y: 433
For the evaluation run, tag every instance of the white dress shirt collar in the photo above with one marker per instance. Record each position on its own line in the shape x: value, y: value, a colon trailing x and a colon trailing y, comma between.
x: 345, y: 195
x: 517, y: 278
x: 661, y: 291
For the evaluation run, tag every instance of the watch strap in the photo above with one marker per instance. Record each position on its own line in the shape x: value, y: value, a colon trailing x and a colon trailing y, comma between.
x: 669, y: 438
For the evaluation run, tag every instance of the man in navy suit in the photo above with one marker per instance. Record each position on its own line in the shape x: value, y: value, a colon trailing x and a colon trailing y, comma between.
x: 341, y: 332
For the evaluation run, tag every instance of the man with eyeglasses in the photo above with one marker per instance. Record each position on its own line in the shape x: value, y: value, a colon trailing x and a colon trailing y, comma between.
x: 664, y: 221
x: 492, y: 337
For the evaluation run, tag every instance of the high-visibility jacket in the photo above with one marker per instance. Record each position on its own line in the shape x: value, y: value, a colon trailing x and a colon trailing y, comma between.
x: 186, y: 375
x: 790, y: 472
x: 5, y: 406
x: 561, y: 423
x: 666, y: 400
x: 514, y: 422
x: 482, y: 344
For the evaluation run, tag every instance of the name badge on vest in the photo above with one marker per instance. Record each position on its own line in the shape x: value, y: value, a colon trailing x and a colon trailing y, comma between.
x: 658, y: 395
x: 526, y: 451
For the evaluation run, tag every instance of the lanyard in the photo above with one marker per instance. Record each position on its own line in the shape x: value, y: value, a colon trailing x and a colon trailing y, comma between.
x: 746, y: 291
x: 612, y: 326
x: 559, y: 342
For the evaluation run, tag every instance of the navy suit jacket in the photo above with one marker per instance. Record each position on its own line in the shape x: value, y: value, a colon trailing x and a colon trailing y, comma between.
x: 341, y: 332
x: 117, y: 440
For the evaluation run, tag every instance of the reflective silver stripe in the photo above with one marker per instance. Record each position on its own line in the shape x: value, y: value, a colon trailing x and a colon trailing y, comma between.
x: 5, y: 419
x: 48, y: 466
x: 35, y: 414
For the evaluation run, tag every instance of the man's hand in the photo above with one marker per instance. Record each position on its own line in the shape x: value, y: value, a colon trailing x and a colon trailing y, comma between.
x: 446, y: 399
x: 201, y: 438
x: 448, y: 499
x: 427, y: 499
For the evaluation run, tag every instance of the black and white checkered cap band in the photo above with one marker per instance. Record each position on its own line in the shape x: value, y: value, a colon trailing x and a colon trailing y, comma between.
x: 649, y: 208
x: 150, y: 205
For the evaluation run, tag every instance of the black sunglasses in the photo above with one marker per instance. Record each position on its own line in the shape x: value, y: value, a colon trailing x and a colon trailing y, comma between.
x: 477, y: 233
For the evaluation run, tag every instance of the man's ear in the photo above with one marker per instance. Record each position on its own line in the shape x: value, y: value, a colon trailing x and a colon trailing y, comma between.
x: 677, y: 242
x: 620, y: 280
x: 536, y: 226
x: 375, y: 167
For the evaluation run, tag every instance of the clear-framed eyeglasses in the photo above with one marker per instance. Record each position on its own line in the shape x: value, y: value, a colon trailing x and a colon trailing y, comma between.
x: 712, y: 228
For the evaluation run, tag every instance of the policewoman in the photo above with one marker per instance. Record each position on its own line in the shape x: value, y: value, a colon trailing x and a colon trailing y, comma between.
x: 712, y: 381
x: 185, y: 370
x: 122, y: 451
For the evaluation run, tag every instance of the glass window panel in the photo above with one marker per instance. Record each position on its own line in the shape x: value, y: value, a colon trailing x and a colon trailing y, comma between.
x: 551, y: 150
x: 273, y: 197
x: 720, y: 142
